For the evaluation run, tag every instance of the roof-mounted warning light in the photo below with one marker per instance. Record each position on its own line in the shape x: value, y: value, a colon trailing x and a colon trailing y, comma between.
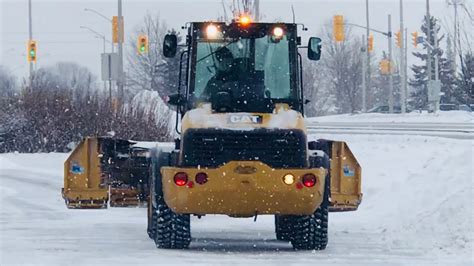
x: 244, y: 20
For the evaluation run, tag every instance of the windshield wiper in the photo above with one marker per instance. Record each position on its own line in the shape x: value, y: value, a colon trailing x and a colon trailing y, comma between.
x: 218, y: 49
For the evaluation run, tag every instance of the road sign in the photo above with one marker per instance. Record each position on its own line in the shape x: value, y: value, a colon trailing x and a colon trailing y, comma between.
x: 110, y: 69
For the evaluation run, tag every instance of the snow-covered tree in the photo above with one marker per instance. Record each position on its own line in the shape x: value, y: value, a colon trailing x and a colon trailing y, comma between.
x: 449, y: 88
x: 447, y: 75
x: 342, y: 63
x: 419, y: 81
x: 316, y: 89
x: 466, y: 79
x: 8, y: 84
x: 151, y: 70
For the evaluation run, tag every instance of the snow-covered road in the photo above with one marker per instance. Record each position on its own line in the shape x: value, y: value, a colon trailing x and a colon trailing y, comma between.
x: 455, y: 124
x: 417, y: 210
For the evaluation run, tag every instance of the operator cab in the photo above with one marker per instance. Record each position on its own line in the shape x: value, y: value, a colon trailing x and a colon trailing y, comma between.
x: 241, y: 66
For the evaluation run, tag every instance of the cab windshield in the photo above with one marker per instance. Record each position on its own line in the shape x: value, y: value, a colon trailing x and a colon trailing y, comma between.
x: 243, y: 70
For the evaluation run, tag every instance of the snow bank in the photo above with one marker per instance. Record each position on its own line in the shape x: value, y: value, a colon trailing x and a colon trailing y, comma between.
x: 418, y: 192
x: 439, y: 117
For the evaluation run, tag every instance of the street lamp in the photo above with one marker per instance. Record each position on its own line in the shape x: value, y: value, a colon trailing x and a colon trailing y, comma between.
x: 102, y: 16
x: 97, y: 13
x: 98, y: 35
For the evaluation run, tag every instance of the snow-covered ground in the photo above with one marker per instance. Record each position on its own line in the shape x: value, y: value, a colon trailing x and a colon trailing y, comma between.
x: 417, y: 210
x: 413, y: 117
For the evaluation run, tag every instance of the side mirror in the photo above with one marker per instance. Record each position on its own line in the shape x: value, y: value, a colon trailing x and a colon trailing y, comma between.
x: 314, y: 48
x: 170, y: 45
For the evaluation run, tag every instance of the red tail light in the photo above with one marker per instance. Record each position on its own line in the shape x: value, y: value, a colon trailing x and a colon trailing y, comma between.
x: 309, y: 180
x: 201, y: 178
x: 180, y: 179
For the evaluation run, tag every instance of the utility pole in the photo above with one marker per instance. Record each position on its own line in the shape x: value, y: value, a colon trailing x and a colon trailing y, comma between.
x: 428, y: 39
x: 436, y: 105
x: 402, y: 63
x: 367, y: 83
x: 455, y: 3
x: 455, y: 35
x: 405, y: 68
x: 390, y: 75
x: 364, y: 68
x: 121, y: 78
x: 30, y: 30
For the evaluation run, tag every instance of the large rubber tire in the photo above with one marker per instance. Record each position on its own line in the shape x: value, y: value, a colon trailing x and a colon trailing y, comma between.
x: 310, y: 232
x: 169, y: 230
x: 151, y: 209
x: 283, y: 227
x: 173, y: 230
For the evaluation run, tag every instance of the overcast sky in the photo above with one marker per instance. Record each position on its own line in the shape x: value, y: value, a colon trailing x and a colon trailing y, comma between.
x: 56, y: 24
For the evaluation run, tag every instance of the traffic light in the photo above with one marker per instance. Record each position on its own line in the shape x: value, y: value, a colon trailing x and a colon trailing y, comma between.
x: 370, y: 44
x: 142, y: 44
x: 115, y: 29
x: 415, y: 38
x: 338, y: 28
x: 398, y: 37
x: 386, y: 67
x: 32, y: 51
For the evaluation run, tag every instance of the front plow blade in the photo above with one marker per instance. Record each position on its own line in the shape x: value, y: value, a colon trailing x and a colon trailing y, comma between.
x: 84, y: 185
x: 100, y: 170
x: 346, y: 194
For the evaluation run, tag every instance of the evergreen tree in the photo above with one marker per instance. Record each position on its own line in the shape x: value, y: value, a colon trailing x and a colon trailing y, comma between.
x: 466, y: 79
x: 447, y: 76
x: 418, y: 83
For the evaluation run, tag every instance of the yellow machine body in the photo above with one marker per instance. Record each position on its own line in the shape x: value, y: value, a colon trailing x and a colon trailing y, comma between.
x: 236, y: 188
x: 244, y: 189
x: 261, y: 190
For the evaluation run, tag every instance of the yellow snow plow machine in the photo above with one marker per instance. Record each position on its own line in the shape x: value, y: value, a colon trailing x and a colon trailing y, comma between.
x: 243, y: 148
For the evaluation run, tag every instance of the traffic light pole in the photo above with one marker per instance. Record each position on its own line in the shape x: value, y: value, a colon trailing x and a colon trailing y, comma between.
x: 436, y: 104
x: 367, y: 84
x: 402, y: 63
x: 428, y: 39
x: 390, y: 75
x: 364, y: 72
x: 30, y: 26
x: 405, y: 69
x: 121, y: 78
